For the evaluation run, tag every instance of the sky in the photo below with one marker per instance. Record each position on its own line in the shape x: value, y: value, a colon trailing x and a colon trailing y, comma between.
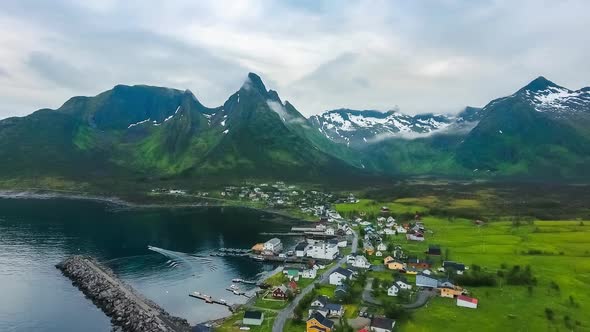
x: 418, y: 56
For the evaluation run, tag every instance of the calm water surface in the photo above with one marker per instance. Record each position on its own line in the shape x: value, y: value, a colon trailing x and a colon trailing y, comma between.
x: 37, y: 234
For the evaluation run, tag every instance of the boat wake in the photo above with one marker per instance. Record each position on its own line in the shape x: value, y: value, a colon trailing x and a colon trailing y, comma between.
x: 192, y: 261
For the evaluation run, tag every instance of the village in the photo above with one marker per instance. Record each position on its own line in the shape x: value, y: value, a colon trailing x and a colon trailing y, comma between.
x: 346, y: 274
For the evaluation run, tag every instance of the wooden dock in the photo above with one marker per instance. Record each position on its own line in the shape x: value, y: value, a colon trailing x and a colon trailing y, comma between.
x: 208, y: 299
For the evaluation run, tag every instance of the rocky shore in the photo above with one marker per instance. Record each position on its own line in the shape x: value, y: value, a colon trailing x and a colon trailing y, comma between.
x: 129, y: 311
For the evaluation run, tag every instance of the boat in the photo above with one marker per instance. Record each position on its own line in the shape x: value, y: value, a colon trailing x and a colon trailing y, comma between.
x: 237, y: 280
x: 222, y: 301
x: 259, y: 258
x: 233, y: 286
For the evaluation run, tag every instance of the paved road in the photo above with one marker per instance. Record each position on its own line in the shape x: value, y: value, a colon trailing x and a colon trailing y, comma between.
x: 367, y: 293
x: 282, y: 317
x: 421, y: 299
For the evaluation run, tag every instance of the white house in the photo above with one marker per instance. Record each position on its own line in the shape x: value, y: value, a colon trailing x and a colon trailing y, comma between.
x: 342, y: 244
x: 273, y: 245
x: 253, y: 317
x: 351, y: 258
x: 339, y: 275
x: 329, y: 231
x: 323, y: 250
x: 467, y: 302
x: 400, y: 230
x: 390, y: 220
x: 361, y: 262
x: 309, y: 273
x: 393, y: 290
x: 388, y: 231
x: 381, y: 219
x: 381, y: 246
x: 379, y: 254
x: 401, y: 284
x: 301, y: 249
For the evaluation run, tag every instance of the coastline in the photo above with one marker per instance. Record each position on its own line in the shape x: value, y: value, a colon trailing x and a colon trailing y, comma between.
x: 127, y: 204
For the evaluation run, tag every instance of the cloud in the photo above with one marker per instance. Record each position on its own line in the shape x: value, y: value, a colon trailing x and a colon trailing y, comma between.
x: 423, y: 56
x: 284, y: 114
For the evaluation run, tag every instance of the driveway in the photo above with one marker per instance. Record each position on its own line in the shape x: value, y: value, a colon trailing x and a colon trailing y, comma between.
x: 283, y: 315
x: 367, y: 293
x: 421, y: 299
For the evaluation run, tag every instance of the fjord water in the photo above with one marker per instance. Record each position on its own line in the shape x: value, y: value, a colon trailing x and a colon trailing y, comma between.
x: 37, y: 234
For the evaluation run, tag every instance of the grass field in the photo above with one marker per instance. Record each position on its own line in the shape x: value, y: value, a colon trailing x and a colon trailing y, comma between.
x: 372, y: 207
x: 557, y: 251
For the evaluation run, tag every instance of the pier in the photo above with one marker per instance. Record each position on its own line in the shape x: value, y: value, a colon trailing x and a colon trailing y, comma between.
x: 128, y: 310
x: 208, y: 299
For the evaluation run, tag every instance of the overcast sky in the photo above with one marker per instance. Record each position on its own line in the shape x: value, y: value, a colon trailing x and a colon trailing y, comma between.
x: 422, y: 56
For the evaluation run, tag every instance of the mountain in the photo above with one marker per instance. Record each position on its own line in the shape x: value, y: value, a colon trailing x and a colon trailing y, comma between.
x: 540, y: 130
x: 143, y: 135
x: 151, y: 133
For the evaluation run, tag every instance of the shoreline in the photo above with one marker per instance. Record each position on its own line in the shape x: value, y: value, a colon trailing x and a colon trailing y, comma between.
x: 42, y: 194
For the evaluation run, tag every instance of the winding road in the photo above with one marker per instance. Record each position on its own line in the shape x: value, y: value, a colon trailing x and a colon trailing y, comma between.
x: 283, y: 315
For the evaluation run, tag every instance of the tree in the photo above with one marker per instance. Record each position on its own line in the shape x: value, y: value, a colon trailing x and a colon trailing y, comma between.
x: 549, y: 313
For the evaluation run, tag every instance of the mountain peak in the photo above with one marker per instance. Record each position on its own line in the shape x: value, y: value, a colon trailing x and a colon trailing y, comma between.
x: 539, y: 84
x: 254, y: 82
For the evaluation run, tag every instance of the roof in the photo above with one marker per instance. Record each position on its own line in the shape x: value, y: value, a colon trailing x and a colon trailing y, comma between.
x: 341, y: 288
x: 454, y: 265
x: 322, y: 319
x: 382, y: 323
x: 333, y: 306
x: 345, y: 272
x: 253, y: 314
x: 273, y: 241
x: 467, y: 299
x: 301, y: 246
x: 322, y: 299
x: 281, y: 288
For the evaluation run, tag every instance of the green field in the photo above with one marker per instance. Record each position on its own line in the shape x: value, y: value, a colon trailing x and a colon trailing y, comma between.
x: 558, y: 252
x: 371, y: 207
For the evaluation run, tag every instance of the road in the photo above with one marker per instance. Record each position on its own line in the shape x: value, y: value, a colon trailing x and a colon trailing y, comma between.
x: 367, y: 293
x: 421, y: 299
x: 282, y: 317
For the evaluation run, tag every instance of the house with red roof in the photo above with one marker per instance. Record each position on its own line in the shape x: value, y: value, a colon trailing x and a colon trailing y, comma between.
x: 467, y: 302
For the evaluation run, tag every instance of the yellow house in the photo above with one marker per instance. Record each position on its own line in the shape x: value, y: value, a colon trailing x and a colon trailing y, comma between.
x: 395, y: 265
x: 388, y: 259
x: 319, y: 323
x: 450, y: 292
x: 369, y: 251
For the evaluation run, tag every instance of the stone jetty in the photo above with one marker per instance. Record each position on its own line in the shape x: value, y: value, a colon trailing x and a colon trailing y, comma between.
x: 129, y: 311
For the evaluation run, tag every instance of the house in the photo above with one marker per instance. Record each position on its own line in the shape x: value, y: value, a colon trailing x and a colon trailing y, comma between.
x: 340, y: 291
x: 419, y: 263
x: 393, y: 290
x: 467, y: 302
x: 361, y: 262
x: 342, y: 244
x: 329, y: 231
x: 446, y: 283
x: 388, y: 231
x: 402, y: 283
x: 396, y: 265
x: 423, y: 280
x: 319, y: 323
x: 253, y: 317
x: 378, y: 254
x: 390, y: 220
x: 416, y: 236
x: 309, y: 273
x: 293, y: 286
x: 381, y: 324
x: 387, y: 260
x: 323, y: 305
x: 384, y: 209
x: 350, y: 258
x: 323, y: 250
x: 381, y: 246
x: 258, y: 248
x: 450, y: 292
x: 400, y: 230
x: 411, y: 270
x: 301, y: 249
x: 273, y: 245
x: 427, y: 272
x: 292, y: 273
x: 433, y: 251
x: 280, y: 292
x: 458, y: 268
x: 339, y: 275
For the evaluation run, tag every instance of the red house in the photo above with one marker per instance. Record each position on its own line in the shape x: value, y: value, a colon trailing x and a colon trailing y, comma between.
x: 280, y: 292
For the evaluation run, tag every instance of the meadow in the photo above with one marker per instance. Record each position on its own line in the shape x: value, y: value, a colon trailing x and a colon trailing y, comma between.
x: 558, y: 252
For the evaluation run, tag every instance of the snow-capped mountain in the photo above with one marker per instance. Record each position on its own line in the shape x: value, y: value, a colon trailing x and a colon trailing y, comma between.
x: 357, y: 128
x: 548, y: 97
